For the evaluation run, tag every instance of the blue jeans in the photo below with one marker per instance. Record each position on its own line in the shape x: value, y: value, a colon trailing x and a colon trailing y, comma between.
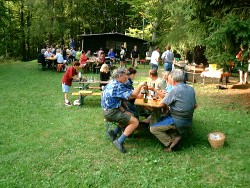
x: 168, y: 66
x: 154, y: 66
x: 165, y: 120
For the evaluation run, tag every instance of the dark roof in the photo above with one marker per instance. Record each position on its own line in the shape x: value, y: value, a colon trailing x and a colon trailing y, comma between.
x: 119, y: 35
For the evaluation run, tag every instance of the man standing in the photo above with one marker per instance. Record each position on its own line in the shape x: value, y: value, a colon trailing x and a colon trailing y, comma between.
x: 155, y: 58
x: 135, y: 56
x: 167, y: 58
x: 181, y: 103
x: 122, y: 56
x: 243, y: 57
x: 113, y: 95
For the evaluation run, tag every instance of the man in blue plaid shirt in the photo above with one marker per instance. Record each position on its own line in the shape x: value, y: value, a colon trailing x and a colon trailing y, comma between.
x: 113, y: 95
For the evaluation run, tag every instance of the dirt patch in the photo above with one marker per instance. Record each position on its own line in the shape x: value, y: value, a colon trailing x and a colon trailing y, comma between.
x: 233, y: 94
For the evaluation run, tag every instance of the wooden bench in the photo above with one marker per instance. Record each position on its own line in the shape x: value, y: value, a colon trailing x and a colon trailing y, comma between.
x: 213, y: 74
x: 83, y: 93
x: 39, y: 66
x: 97, y: 70
x: 89, y: 87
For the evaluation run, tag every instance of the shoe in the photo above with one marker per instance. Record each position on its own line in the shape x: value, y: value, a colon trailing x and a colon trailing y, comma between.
x: 174, y: 142
x: 119, y: 146
x: 167, y: 149
x: 112, y: 135
x: 67, y: 103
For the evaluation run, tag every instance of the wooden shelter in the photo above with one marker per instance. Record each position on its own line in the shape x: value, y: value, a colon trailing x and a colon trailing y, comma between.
x: 94, y: 42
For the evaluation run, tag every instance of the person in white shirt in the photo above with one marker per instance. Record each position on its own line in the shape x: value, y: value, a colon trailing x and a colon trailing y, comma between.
x: 61, y: 63
x: 155, y: 80
x: 122, y: 57
x: 168, y: 58
x: 155, y: 58
x: 48, y: 54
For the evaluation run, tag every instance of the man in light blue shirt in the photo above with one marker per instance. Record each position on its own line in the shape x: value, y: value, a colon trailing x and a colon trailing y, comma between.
x: 181, y: 103
x: 168, y: 58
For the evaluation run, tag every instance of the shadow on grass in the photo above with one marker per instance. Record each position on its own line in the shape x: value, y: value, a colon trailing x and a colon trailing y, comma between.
x: 246, y: 86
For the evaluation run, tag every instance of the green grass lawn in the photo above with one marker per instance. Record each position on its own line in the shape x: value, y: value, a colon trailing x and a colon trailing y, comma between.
x: 45, y: 144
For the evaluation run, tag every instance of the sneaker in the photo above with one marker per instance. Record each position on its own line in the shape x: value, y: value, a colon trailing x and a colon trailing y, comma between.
x: 67, y: 103
x: 119, y: 146
x: 112, y: 135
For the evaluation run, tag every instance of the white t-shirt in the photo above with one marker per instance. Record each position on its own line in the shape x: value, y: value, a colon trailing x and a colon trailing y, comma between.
x: 59, y: 58
x: 157, y: 83
x: 155, y: 57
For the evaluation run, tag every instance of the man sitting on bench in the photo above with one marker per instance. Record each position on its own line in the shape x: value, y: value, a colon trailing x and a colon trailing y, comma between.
x: 113, y: 95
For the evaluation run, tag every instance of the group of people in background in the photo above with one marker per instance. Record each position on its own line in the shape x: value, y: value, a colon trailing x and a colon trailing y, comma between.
x: 242, y: 62
x: 57, y: 57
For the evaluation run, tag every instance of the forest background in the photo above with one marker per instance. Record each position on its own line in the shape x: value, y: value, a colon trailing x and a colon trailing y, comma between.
x: 218, y: 27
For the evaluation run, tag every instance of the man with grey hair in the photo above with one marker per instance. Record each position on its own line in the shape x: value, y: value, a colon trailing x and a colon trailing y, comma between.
x: 112, y: 96
x: 181, y: 103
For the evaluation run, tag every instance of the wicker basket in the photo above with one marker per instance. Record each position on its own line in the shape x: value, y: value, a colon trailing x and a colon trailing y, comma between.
x: 216, y: 139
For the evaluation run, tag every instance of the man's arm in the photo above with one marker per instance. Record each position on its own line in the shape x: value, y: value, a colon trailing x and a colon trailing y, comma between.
x: 162, y: 103
x: 163, y: 56
x: 137, y: 90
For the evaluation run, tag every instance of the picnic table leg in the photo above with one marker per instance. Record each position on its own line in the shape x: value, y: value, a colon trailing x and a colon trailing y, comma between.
x: 85, y: 87
x: 155, y: 115
x: 203, y: 80
x: 81, y: 100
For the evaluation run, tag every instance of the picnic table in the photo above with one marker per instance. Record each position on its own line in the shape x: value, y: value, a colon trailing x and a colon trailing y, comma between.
x: 85, y: 90
x: 213, y: 74
x: 52, y: 60
x: 190, y: 69
x: 153, y: 105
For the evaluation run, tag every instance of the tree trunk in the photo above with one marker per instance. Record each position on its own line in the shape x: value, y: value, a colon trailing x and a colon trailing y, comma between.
x: 23, y: 49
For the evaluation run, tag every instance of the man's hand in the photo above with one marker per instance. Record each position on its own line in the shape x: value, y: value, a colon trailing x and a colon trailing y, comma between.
x: 151, y: 88
x: 142, y: 84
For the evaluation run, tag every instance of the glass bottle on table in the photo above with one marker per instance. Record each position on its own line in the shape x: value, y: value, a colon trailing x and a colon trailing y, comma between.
x: 145, y: 93
x: 80, y: 76
x: 152, y: 93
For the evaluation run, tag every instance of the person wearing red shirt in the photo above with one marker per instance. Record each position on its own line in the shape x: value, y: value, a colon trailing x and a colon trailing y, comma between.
x: 67, y: 80
x: 83, y: 61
